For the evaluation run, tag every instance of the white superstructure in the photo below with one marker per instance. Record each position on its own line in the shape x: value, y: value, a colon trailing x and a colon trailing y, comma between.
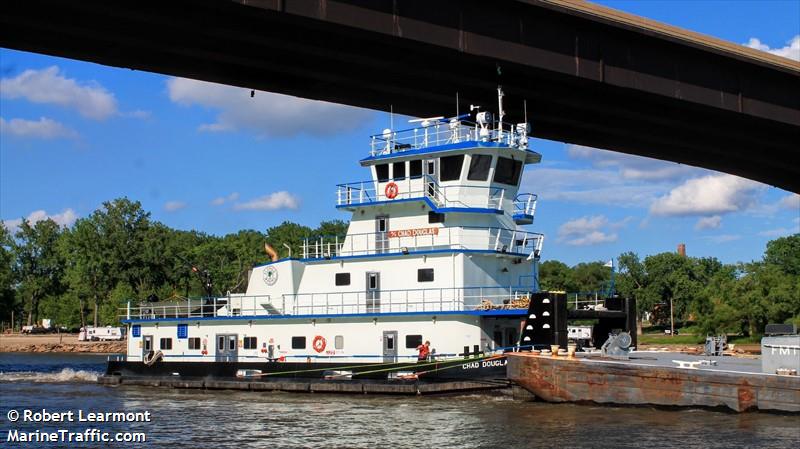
x: 434, y: 251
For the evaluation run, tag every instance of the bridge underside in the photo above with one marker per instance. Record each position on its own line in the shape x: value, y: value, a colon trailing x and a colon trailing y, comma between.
x: 586, y: 79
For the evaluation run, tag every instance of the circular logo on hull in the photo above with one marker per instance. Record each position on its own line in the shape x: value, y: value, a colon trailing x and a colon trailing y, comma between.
x: 270, y: 275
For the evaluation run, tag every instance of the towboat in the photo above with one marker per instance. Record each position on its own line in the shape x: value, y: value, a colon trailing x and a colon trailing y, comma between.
x: 435, y: 252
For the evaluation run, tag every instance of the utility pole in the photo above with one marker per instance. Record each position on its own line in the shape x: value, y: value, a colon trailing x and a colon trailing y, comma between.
x: 671, y: 319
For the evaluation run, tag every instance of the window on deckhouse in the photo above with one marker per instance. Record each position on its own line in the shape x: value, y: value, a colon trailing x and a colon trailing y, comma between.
x: 451, y: 167
x: 399, y: 170
x: 479, y: 165
x: 507, y: 171
x: 415, y: 169
x: 382, y: 172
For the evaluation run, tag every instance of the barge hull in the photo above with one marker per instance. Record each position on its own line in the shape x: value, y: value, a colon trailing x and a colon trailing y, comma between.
x: 562, y: 379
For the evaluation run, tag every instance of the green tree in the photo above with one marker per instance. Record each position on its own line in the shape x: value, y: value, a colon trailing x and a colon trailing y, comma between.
x: 591, y: 276
x: 38, y: 264
x: 671, y: 286
x: 784, y: 253
x: 556, y: 276
x: 631, y: 281
x: 87, y: 265
x: 7, y: 276
x: 288, y: 233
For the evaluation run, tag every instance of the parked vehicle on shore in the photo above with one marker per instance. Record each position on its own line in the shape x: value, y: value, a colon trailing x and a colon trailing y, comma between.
x: 108, y: 333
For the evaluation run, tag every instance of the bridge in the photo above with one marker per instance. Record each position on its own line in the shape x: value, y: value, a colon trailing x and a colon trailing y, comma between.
x: 589, y: 75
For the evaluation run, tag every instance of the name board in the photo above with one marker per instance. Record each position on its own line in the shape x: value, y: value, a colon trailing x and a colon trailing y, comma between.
x: 413, y: 232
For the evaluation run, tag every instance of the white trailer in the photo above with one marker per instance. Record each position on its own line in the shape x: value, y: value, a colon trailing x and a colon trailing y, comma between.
x: 90, y: 333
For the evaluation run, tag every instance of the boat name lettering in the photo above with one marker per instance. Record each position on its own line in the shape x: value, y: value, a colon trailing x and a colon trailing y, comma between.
x: 484, y: 364
x: 413, y: 232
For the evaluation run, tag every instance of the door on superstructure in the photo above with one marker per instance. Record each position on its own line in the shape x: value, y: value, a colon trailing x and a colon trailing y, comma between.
x: 381, y: 234
x: 227, y: 347
x: 431, y: 179
x: 147, y: 344
x: 373, y: 292
x: 389, y: 346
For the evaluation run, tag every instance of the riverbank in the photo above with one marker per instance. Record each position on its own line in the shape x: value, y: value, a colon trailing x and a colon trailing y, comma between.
x: 57, y: 343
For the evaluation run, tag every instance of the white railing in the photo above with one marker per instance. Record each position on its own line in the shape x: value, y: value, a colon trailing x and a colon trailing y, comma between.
x: 425, y: 239
x: 438, y: 132
x: 461, y: 196
x: 525, y: 204
x: 337, y: 303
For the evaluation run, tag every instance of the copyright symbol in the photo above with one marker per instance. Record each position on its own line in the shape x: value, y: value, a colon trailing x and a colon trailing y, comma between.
x: 13, y: 415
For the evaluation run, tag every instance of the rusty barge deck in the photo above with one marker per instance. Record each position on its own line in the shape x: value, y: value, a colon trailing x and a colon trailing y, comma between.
x: 654, y: 378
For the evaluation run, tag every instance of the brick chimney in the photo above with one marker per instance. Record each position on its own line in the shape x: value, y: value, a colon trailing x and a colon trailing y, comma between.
x: 682, y: 249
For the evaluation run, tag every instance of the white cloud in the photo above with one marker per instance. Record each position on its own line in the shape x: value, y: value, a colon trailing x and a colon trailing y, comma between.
x: 225, y: 199
x: 791, y: 50
x: 266, y: 113
x: 617, y: 179
x: 589, y: 187
x: 708, y: 195
x: 634, y: 167
x: 66, y: 218
x: 49, y: 86
x: 791, y: 202
x: 273, y: 201
x: 172, y: 206
x: 44, y: 128
x: 589, y: 230
x: 712, y: 222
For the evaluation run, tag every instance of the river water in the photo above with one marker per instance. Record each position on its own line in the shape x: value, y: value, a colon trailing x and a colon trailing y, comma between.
x: 225, y: 419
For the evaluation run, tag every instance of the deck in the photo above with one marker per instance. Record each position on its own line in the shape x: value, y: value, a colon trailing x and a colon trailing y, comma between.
x: 654, y: 378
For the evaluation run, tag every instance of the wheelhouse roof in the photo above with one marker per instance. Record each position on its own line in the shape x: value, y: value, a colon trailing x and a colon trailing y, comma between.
x: 531, y: 157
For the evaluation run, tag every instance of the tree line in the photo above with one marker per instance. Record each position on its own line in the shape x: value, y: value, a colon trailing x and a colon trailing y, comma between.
x: 718, y: 298
x: 88, y: 271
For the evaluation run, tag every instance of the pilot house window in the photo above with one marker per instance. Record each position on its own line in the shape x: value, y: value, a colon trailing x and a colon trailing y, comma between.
x: 451, y: 167
x: 479, y: 167
x: 382, y: 172
x: 507, y: 171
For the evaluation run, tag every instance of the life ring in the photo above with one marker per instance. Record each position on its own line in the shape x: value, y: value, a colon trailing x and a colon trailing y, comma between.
x: 319, y: 343
x: 391, y: 190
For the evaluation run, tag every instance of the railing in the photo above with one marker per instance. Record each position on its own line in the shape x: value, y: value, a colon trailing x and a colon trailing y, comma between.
x: 465, y: 196
x: 386, y: 301
x: 525, y: 204
x: 435, y: 132
x: 426, y: 239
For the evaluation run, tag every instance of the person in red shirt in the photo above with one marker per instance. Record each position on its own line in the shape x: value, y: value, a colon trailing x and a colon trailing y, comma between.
x: 424, y: 352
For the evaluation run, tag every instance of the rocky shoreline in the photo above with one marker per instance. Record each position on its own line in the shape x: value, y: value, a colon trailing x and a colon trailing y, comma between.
x: 100, y: 348
x: 57, y: 343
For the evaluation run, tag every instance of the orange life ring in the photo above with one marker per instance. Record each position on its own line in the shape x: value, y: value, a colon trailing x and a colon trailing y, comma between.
x: 391, y: 190
x: 319, y: 343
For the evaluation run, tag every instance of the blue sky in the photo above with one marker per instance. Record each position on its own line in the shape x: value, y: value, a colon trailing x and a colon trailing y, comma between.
x: 208, y: 157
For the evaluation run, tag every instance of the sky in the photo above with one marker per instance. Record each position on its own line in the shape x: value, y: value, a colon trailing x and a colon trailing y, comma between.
x: 209, y: 157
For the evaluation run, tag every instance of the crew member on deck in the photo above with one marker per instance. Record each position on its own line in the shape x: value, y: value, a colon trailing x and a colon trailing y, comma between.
x: 424, y: 352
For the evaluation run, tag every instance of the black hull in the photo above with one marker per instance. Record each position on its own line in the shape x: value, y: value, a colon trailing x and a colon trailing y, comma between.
x: 489, y: 368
